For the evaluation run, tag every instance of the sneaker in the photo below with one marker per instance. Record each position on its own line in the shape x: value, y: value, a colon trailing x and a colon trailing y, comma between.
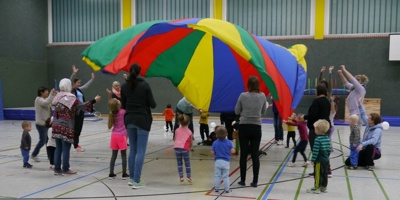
x: 51, y: 167
x: 181, y: 180
x: 216, y: 190
x: 228, y: 191
x: 280, y: 142
x: 305, y: 164
x: 370, y: 168
x: 111, y: 176
x: 253, y: 184
x: 35, y: 158
x: 130, y: 183
x: 291, y: 164
x: 138, y: 185
x: 242, y: 183
x: 323, y: 189
x: 313, y: 191
x: 352, y: 167
x: 69, y: 172
x: 79, y: 149
x: 189, y: 180
x: 57, y: 172
x: 329, y: 174
x: 27, y: 165
x: 125, y: 176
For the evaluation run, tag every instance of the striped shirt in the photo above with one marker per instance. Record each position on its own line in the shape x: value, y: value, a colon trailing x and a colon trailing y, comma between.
x: 250, y: 106
x: 322, y: 149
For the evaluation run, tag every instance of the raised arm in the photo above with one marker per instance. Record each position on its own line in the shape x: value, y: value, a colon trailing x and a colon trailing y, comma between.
x: 321, y: 73
x: 330, y: 82
x: 87, y: 84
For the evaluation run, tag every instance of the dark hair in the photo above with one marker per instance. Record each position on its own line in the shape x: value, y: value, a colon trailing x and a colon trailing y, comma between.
x: 76, y: 79
x: 321, y: 90
x: 132, y: 79
x: 184, y: 120
x: 376, y: 118
x: 168, y: 105
x: 221, y: 133
x: 325, y: 83
x: 253, y: 84
x: 40, y: 90
x: 135, y: 67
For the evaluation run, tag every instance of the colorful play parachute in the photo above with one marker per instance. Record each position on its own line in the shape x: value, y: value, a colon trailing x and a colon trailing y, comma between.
x: 208, y: 60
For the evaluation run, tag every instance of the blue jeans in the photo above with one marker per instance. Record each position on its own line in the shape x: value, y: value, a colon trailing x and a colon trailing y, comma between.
x: 182, y: 154
x: 62, y: 149
x: 278, y: 127
x: 221, y: 172
x: 25, y: 155
x: 42, y: 139
x: 138, y: 143
x: 354, y: 154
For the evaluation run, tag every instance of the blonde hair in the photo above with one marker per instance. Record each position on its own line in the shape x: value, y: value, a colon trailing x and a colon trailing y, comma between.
x: 363, y: 78
x: 113, y: 106
x: 115, y: 83
x: 25, y: 124
x: 322, y: 126
x: 184, y: 120
x: 221, y: 132
x: 354, y: 118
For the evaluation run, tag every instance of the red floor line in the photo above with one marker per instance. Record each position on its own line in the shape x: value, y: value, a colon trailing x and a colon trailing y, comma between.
x: 237, y: 197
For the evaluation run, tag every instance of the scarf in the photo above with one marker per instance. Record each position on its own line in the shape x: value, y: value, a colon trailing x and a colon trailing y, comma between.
x: 65, y: 98
x: 117, y: 93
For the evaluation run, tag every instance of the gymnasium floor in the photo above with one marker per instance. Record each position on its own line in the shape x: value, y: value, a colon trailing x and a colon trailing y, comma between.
x: 277, y: 181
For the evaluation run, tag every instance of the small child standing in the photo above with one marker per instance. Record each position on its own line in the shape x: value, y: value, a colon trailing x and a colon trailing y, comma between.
x: 301, y: 147
x: 204, y: 125
x: 26, y: 143
x: 169, y: 115
x: 118, y: 136
x: 291, y: 132
x: 50, y: 148
x: 354, y: 141
x: 320, y: 157
x: 222, y: 149
x: 182, y: 146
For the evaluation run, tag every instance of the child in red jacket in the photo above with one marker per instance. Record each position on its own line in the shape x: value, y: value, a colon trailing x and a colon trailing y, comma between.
x: 169, y: 115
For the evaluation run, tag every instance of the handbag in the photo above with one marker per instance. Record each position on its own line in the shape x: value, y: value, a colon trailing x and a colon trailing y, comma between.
x: 48, y: 121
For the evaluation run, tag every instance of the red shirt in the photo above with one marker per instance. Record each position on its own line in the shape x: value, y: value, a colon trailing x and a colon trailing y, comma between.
x: 169, y: 114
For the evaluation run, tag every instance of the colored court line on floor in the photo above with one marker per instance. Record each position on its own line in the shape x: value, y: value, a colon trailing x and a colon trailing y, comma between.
x: 267, y: 190
x: 345, y: 169
x: 236, y: 169
x: 84, y: 176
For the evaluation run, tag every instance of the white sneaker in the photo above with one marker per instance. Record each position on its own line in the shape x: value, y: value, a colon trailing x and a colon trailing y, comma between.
x: 291, y: 164
x: 280, y: 142
x: 305, y: 164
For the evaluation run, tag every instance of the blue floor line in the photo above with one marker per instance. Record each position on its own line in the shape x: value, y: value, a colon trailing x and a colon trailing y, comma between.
x: 277, y: 177
x: 81, y: 177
